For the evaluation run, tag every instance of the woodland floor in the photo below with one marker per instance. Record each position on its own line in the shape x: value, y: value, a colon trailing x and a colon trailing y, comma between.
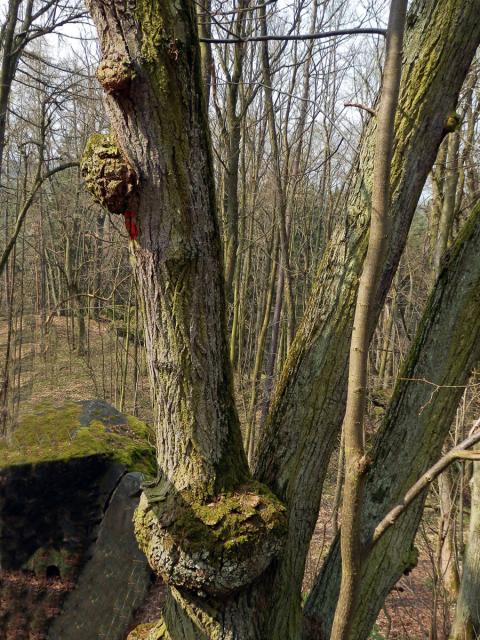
x: 51, y: 371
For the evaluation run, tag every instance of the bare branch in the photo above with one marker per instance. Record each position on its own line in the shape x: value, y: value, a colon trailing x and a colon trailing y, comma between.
x: 369, y: 110
x: 459, y: 452
x: 308, y: 36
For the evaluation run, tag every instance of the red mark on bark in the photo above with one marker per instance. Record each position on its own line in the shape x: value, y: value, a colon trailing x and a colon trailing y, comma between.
x: 131, y: 224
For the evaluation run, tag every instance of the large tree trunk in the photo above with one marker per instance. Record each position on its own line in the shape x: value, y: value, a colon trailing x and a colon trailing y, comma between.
x: 308, y: 404
x: 205, y: 526
x: 418, y: 419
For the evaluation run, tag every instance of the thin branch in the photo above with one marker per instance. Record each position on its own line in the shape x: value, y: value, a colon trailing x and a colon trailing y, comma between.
x: 459, y: 452
x: 369, y: 110
x: 308, y: 36
x: 26, y: 207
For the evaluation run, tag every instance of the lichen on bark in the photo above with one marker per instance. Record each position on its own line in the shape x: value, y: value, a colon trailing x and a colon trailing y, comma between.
x: 214, y: 546
x: 107, y: 174
x: 155, y: 630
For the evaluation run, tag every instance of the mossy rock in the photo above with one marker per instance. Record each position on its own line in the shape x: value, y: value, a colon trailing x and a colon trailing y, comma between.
x: 79, y: 430
x: 63, y: 559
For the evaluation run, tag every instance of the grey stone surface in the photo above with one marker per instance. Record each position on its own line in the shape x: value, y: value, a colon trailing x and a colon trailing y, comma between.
x: 115, y: 579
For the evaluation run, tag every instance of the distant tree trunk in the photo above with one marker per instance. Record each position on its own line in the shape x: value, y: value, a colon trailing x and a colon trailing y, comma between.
x: 8, y: 68
x: 280, y: 187
x: 448, y: 554
x: 446, y: 206
x: 233, y: 134
x: 447, y: 211
x: 466, y: 625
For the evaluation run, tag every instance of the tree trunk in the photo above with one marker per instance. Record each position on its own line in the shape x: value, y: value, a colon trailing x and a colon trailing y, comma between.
x: 466, y: 625
x: 308, y: 403
x: 446, y: 349
x: 205, y: 526
x: 362, y: 331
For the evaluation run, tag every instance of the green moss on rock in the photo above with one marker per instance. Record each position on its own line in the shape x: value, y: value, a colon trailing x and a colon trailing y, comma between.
x: 65, y: 560
x: 77, y: 430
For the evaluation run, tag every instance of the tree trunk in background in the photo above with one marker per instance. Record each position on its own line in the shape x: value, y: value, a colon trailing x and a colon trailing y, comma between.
x: 466, y: 625
x: 412, y: 435
x: 308, y: 403
x: 233, y: 136
x: 205, y: 31
x: 446, y: 206
x: 280, y: 188
x: 447, y: 212
x: 448, y: 554
x: 8, y: 68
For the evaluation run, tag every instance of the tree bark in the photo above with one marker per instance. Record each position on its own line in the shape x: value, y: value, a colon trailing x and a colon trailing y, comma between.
x: 445, y: 351
x: 205, y: 526
x: 466, y: 625
x: 308, y: 403
x: 363, y: 327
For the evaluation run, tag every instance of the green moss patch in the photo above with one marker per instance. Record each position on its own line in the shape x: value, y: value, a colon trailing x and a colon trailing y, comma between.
x: 150, y: 631
x: 107, y: 174
x: 234, y: 520
x: 77, y: 430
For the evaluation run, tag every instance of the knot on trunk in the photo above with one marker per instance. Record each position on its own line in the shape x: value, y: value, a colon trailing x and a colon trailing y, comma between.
x: 213, y: 547
x: 107, y: 174
x: 115, y: 73
x: 452, y: 122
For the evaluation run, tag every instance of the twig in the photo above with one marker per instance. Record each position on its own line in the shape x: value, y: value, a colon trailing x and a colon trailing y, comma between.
x: 308, y: 36
x: 458, y: 452
x: 358, y: 105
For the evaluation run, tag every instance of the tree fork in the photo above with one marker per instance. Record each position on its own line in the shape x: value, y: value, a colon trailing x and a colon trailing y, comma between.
x: 308, y: 404
x: 410, y: 438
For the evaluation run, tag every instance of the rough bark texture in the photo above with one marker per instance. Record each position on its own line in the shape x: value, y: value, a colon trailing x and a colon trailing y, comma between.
x: 160, y: 125
x: 308, y: 405
x: 203, y: 524
x: 446, y: 349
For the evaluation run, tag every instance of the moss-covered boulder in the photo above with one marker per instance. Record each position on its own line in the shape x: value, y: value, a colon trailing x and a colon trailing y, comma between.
x: 69, y: 482
x: 79, y: 430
